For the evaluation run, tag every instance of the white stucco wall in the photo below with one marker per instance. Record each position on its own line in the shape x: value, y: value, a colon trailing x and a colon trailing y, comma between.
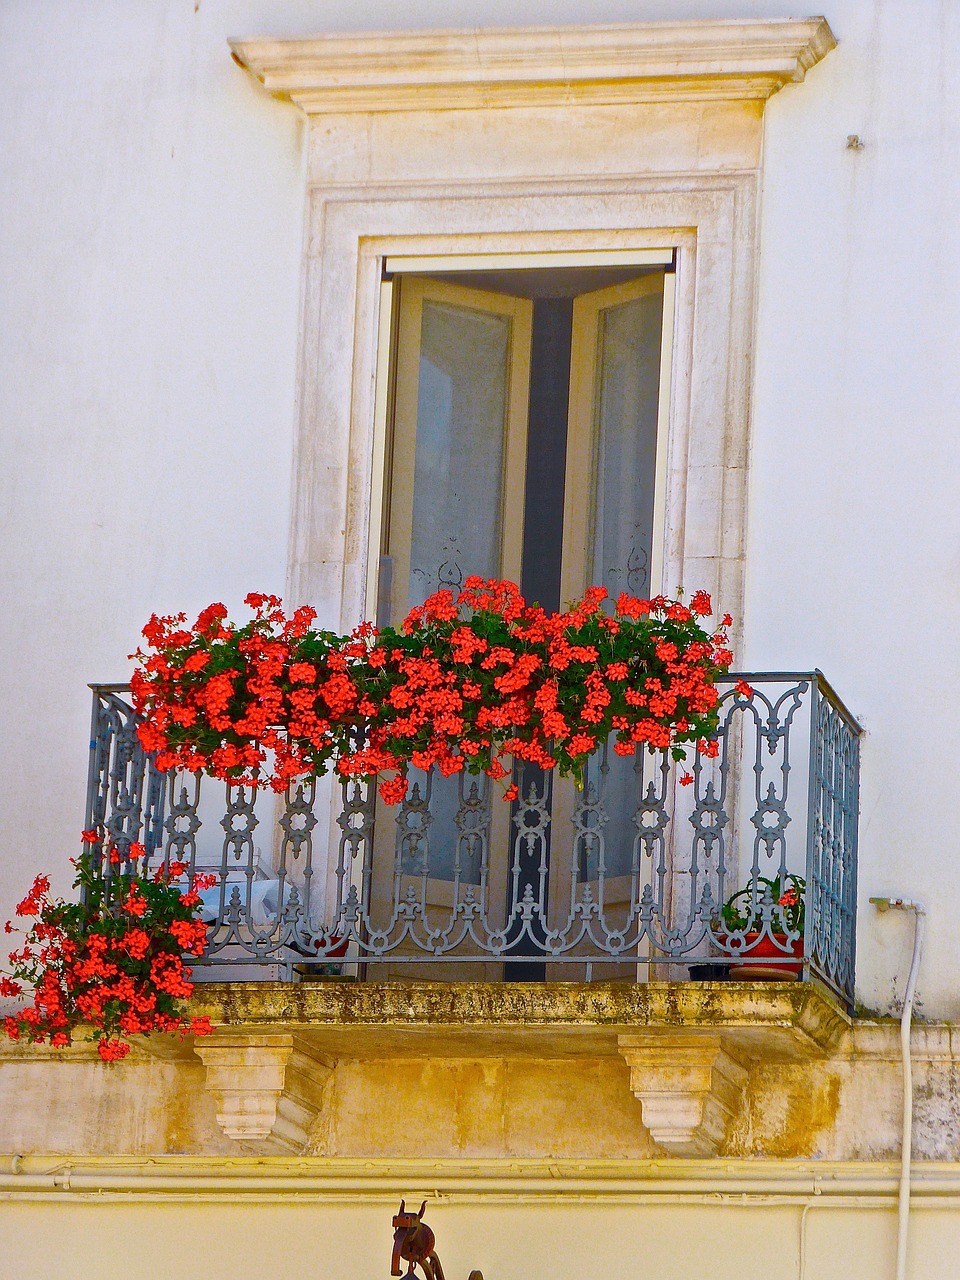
x: 151, y: 202
x: 854, y: 546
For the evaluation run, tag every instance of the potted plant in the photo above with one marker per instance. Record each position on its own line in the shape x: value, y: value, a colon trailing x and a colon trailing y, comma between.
x: 761, y: 928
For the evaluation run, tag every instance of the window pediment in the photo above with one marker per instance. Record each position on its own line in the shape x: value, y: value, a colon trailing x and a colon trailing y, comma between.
x: 537, y: 66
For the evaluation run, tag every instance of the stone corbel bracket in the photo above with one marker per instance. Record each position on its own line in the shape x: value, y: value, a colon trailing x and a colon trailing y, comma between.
x: 689, y: 1085
x: 267, y: 1090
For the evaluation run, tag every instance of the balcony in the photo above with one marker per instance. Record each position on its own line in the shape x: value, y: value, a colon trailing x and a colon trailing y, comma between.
x: 639, y: 927
x: 623, y: 880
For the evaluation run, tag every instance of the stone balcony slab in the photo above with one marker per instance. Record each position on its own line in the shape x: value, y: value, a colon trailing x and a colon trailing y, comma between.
x: 775, y: 1021
x: 689, y: 1046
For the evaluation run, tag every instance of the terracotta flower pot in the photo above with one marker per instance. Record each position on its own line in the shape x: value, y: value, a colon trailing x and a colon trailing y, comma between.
x: 753, y: 962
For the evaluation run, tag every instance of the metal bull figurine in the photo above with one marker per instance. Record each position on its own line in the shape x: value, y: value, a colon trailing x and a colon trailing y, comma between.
x: 413, y: 1243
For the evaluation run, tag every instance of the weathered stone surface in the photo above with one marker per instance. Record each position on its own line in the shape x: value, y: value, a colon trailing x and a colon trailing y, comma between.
x: 788, y: 1020
x: 512, y: 1072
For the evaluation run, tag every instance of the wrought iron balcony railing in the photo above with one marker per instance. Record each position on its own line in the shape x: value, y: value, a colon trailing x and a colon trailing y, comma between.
x: 625, y: 878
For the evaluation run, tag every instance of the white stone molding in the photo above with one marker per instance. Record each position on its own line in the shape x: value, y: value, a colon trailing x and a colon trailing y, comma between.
x: 689, y: 1086
x: 543, y: 66
x: 267, y: 1090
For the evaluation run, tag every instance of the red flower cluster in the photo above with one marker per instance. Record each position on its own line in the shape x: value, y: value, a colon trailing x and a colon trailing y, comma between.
x: 465, y: 683
x: 229, y: 700
x: 113, y: 960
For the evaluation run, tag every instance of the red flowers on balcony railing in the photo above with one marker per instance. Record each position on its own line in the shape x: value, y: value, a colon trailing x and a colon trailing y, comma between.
x: 464, y: 683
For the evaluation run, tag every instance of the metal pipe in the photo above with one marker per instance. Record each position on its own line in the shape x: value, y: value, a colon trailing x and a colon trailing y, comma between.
x: 777, y: 1186
x: 28, y: 1186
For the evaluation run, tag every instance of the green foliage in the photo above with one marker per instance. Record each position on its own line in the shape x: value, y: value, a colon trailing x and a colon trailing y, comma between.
x: 743, y: 911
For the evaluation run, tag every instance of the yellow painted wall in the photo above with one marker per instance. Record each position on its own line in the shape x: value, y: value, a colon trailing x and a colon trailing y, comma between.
x: 841, y: 1109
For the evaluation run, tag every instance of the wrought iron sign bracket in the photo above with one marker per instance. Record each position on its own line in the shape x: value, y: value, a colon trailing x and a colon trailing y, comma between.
x: 689, y: 1085
x: 267, y: 1090
x: 414, y: 1247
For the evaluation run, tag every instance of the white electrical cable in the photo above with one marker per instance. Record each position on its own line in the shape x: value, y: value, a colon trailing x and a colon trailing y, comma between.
x: 906, y: 1019
x: 802, y: 1259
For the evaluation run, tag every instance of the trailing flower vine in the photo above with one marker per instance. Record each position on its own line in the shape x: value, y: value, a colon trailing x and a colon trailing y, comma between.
x: 113, y: 960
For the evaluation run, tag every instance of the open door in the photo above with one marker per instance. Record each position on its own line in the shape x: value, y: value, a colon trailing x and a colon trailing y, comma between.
x: 455, y: 507
x: 527, y: 440
x: 612, y: 536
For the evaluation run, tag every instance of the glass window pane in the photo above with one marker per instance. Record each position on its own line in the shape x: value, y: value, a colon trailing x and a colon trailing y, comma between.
x: 627, y: 409
x: 627, y: 404
x: 458, y: 476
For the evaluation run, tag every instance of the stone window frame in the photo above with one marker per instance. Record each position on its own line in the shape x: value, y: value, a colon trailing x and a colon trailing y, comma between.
x: 393, y: 118
x: 534, y: 140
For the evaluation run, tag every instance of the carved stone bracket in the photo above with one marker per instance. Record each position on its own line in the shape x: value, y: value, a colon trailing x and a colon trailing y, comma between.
x: 267, y: 1090
x: 689, y: 1086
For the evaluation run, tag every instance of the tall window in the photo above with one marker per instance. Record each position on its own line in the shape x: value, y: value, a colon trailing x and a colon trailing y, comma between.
x: 524, y: 414
x: 525, y: 431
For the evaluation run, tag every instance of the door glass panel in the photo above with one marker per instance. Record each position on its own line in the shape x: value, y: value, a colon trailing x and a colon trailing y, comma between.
x: 458, y: 471
x: 608, y: 541
x: 455, y: 509
x: 627, y: 407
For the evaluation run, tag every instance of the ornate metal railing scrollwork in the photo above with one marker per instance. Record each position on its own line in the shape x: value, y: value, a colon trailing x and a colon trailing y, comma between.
x: 626, y: 877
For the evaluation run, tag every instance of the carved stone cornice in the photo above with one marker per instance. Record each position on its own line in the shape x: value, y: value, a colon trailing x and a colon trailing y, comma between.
x: 537, y: 66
